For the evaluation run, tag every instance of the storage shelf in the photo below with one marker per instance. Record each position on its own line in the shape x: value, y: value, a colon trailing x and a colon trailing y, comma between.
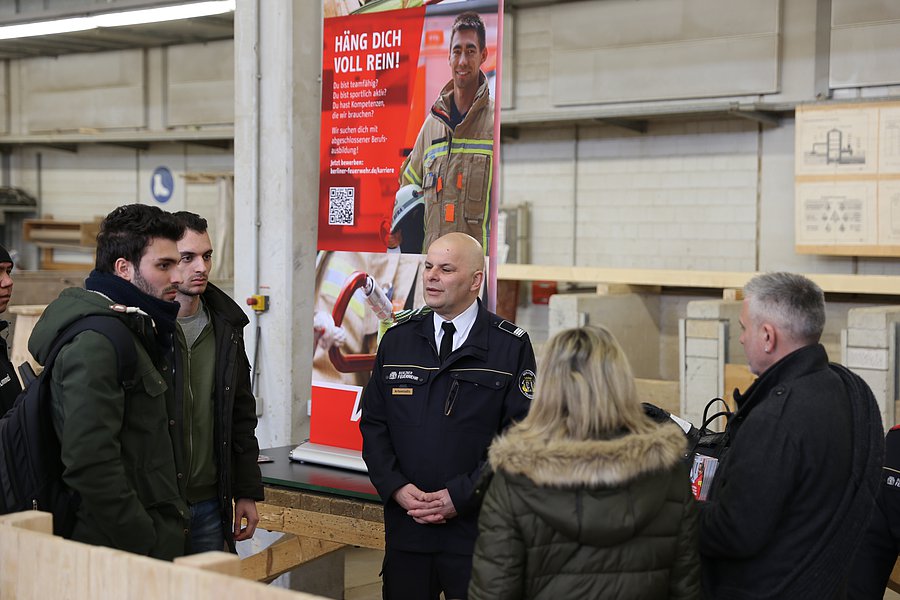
x: 831, y: 283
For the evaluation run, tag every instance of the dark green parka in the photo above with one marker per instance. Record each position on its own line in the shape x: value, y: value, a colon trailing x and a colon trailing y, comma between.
x: 592, y: 519
x: 116, y: 445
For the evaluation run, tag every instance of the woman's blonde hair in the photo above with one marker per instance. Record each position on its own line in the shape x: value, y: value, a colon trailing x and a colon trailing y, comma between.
x: 584, y: 389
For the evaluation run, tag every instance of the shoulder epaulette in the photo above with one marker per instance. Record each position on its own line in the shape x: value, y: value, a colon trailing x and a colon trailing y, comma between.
x: 511, y: 328
x: 407, y: 315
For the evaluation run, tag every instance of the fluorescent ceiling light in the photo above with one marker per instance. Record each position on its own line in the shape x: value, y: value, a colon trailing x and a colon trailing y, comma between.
x: 118, y: 19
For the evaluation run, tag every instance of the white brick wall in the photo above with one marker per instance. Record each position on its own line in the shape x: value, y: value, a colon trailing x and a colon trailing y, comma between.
x: 681, y: 196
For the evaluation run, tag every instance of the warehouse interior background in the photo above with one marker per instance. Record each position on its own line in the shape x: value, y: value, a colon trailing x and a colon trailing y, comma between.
x: 636, y: 134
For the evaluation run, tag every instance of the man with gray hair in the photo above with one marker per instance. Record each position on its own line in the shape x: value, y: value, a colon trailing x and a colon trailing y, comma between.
x: 793, y: 493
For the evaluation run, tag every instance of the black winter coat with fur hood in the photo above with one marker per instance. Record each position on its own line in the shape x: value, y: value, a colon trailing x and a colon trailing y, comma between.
x: 592, y: 519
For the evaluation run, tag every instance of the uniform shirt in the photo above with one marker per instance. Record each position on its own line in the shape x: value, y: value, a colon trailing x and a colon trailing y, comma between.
x: 463, y: 323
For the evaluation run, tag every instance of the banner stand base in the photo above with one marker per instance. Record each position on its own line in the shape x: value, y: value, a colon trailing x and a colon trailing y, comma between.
x: 330, y: 456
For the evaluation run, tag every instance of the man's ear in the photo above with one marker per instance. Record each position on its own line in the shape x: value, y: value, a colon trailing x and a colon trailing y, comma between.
x: 770, y: 337
x: 124, y: 269
x: 483, y: 55
x: 477, y: 280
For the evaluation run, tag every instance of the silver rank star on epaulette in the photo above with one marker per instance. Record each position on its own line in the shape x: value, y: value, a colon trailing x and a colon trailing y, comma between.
x: 511, y: 328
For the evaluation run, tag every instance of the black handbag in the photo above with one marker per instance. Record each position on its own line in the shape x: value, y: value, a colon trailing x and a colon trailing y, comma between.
x: 706, y: 441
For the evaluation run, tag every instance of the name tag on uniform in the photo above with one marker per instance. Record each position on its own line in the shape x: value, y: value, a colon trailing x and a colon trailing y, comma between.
x: 401, y: 391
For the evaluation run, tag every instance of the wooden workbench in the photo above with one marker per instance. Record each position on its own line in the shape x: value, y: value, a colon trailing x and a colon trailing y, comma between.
x: 325, y: 509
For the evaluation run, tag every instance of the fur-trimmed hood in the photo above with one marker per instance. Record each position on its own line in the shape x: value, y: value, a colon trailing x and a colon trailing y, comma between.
x: 599, y: 492
x: 590, y: 463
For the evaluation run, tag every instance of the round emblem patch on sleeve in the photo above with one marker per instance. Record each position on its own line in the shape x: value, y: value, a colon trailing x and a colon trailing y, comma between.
x: 526, y: 383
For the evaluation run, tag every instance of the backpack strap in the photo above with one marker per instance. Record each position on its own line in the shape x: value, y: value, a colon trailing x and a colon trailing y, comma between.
x: 115, y: 331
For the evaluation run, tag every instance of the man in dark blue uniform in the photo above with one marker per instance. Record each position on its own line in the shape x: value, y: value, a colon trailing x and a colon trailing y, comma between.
x: 447, y: 379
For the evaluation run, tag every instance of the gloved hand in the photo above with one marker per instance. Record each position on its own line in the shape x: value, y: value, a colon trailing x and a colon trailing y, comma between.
x: 325, y: 333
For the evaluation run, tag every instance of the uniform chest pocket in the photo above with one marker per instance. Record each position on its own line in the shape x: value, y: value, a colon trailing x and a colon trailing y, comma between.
x: 406, y: 391
x: 478, y: 399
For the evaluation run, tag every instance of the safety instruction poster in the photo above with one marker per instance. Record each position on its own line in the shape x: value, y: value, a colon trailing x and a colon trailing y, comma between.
x: 385, y: 64
x: 847, y: 176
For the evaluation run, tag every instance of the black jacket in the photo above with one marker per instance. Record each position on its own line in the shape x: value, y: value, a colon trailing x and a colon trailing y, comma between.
x: 116, y: 442
x: 880, y: 547
x: 792, y: 496
x: 237, y: 448
x: 9, y: 382
x: 408, y: 437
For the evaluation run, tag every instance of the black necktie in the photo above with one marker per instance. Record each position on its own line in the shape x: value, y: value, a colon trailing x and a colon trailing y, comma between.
x: 447, y: 340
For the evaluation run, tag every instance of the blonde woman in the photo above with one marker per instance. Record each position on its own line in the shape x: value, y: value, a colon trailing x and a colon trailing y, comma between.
x: 591, y: 498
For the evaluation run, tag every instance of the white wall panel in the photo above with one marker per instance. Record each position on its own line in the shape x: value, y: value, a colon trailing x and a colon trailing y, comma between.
x: 507, y: 62
x: 78, y: 186
x: 200, y: 84
x: 620, y: 50
x: 95, y: 91
x: 4, y: 97
x: 865, y: 54
x: 865, y: 43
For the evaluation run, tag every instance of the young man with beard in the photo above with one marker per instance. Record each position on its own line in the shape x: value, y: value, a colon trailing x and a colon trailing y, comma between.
x: 217, y: 408
x: 452, y: 158
x: 117, y: 447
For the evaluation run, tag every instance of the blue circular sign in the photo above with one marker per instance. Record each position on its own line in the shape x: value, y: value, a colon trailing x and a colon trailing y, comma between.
x: 162, y: 184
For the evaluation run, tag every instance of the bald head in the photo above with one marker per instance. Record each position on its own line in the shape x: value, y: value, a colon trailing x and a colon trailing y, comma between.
x: 464, y: 246
x: 454, y: 272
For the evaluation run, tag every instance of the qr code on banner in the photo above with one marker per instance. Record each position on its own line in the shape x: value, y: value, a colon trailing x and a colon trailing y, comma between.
x: 340, y: 205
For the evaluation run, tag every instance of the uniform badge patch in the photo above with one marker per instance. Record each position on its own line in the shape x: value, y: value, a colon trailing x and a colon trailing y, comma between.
x: 401, y: 391
x: 526, y: 383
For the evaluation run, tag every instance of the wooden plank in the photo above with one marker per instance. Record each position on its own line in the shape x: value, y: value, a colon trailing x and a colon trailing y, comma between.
x: 333, y: 528
x: 662, y: 393
x: 148, y: 579
x: 611, y: 289
x: 285, y: 555
x: 32, y: 520
x: 868, y: 250
x: 894, y: 579
x: 832, y: 283
x: 271, y: 517
x: 38, y: 566
x: 737, y: 376
x: 218, y: 562
x: 595, y: 275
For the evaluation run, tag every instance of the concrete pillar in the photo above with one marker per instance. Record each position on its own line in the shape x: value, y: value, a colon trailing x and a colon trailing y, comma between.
x: 869, y: 349
x: 278, y: 49
x: 707, y: 342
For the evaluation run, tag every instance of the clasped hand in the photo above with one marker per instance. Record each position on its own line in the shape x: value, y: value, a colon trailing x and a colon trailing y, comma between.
x: 426, y: 508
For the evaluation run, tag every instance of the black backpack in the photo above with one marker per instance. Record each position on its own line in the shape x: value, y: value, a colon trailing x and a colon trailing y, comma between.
x: 30, y: 454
